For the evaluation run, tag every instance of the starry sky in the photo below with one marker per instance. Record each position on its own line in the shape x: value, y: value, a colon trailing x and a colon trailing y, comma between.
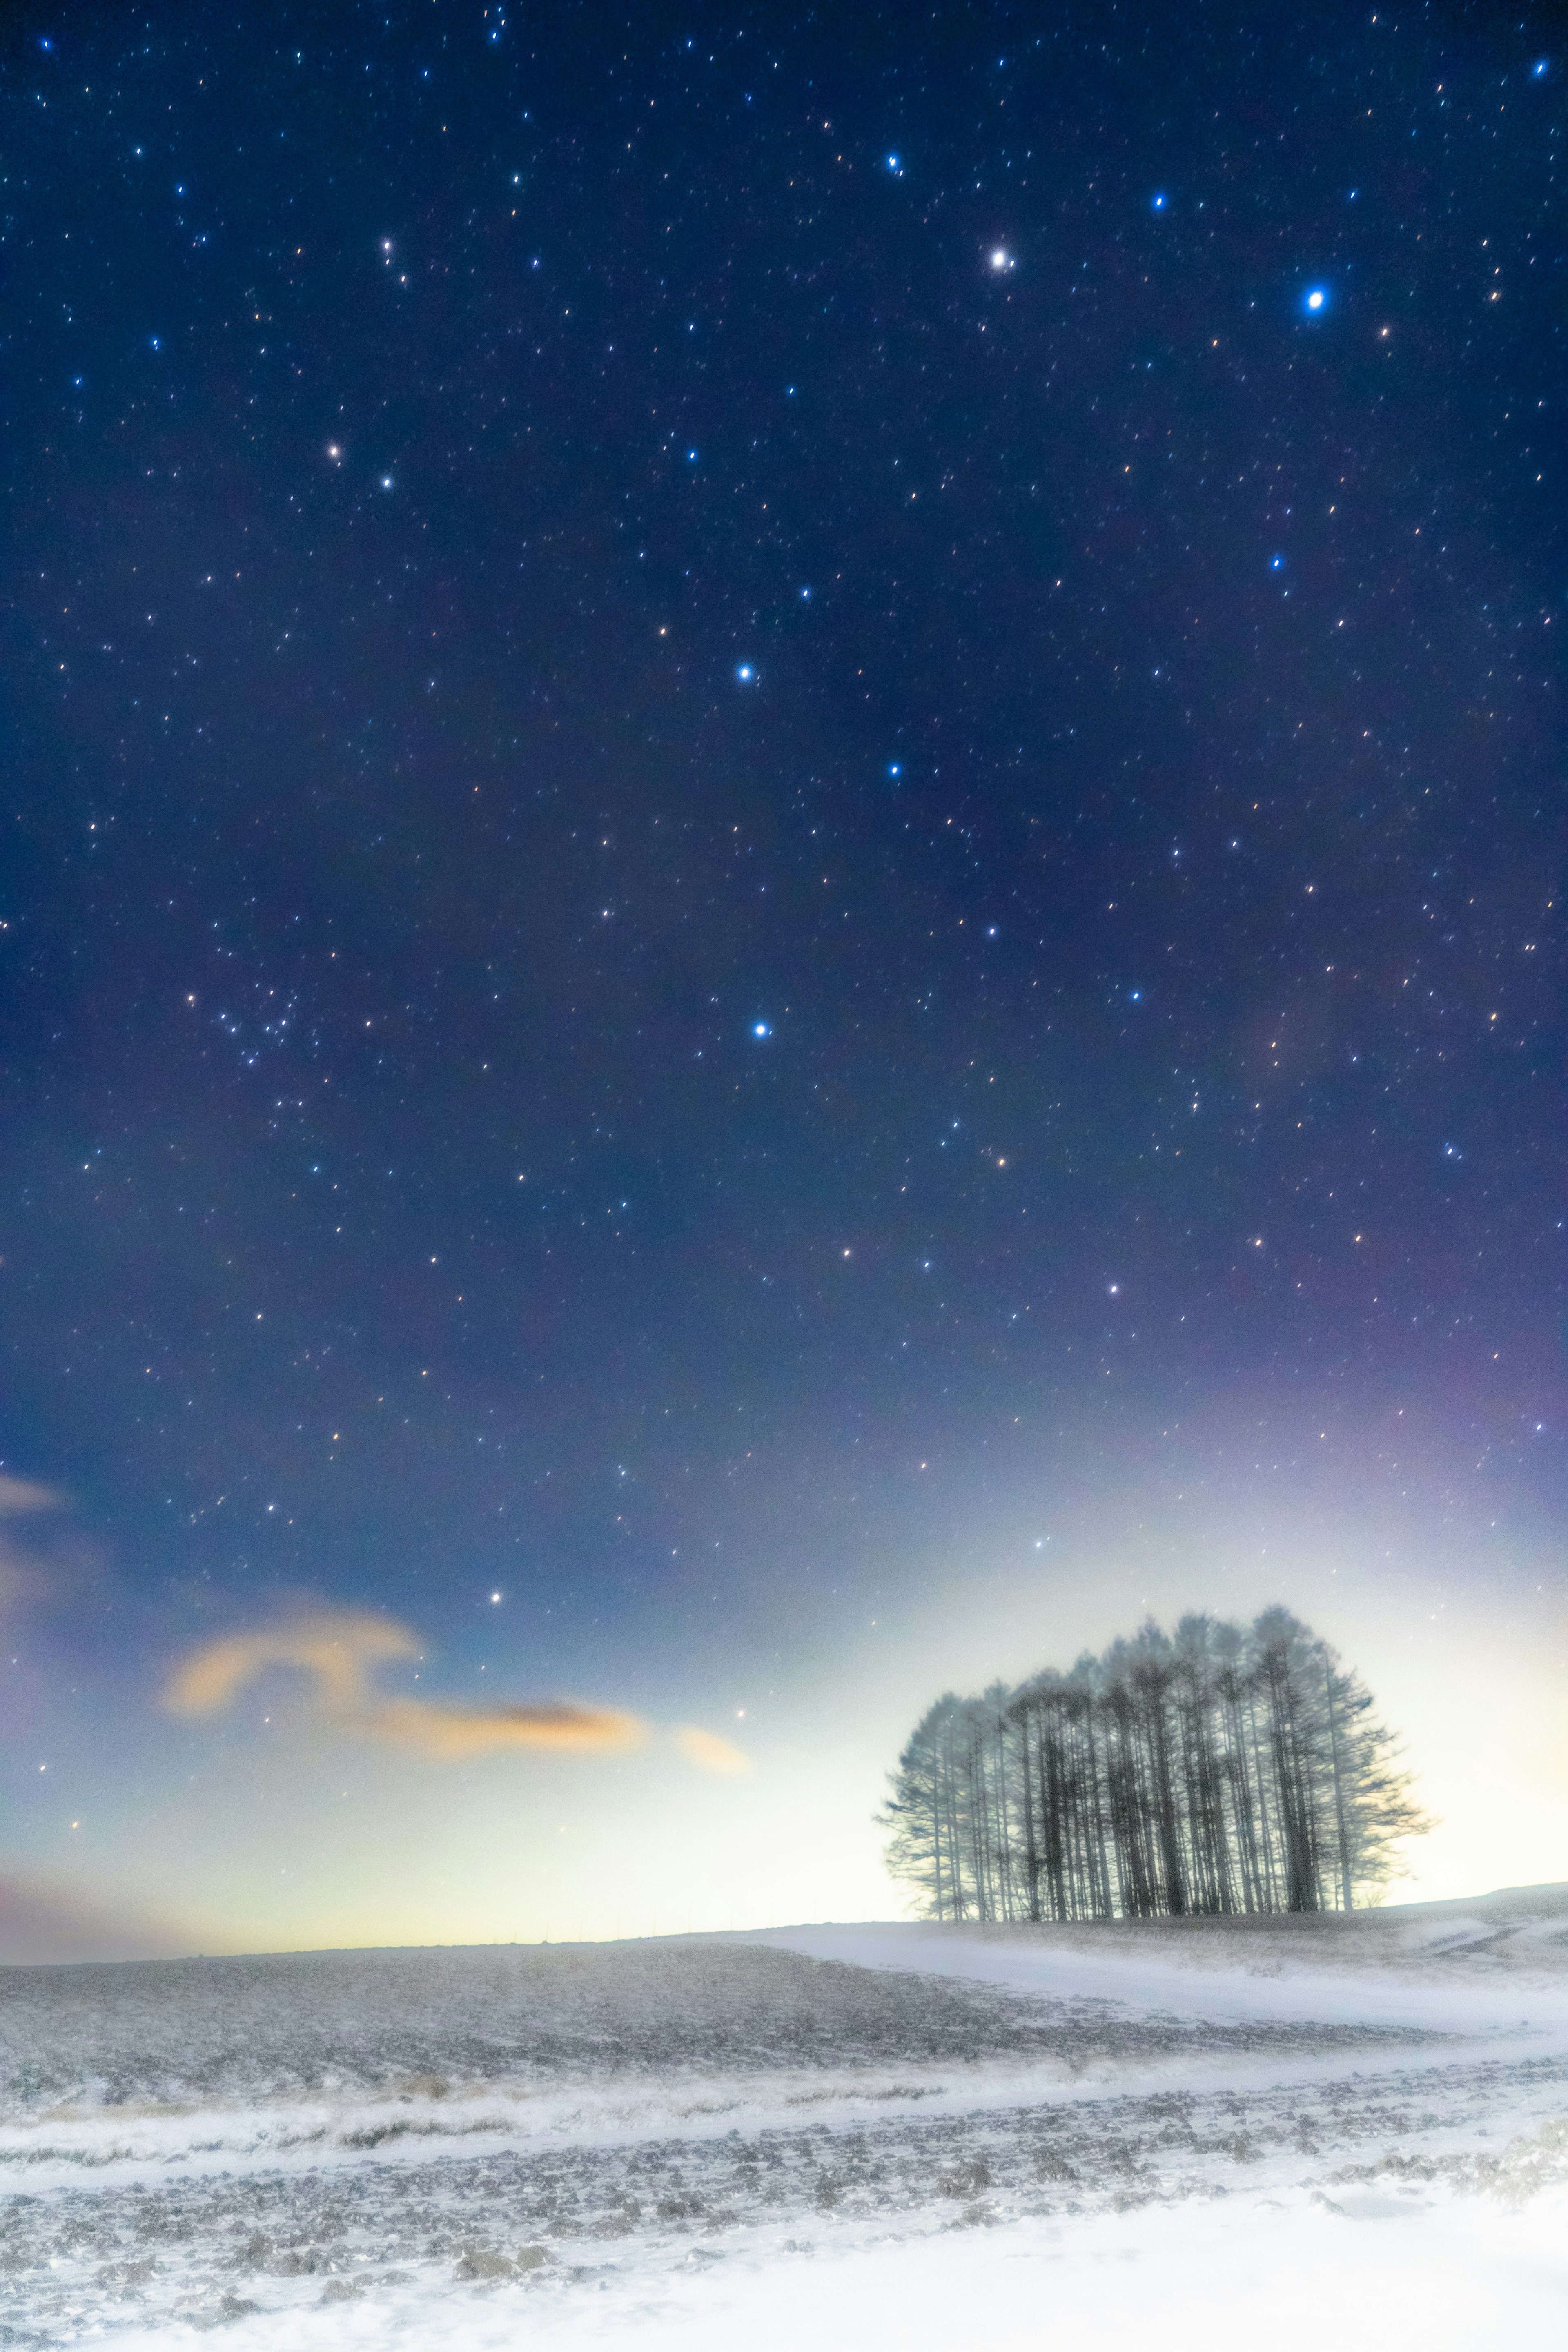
x: 781, y: 907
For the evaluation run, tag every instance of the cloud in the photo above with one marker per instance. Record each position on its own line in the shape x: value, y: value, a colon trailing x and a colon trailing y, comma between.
x: 433, y: 1730
x: 24, y: 1574
x: 340, y: 1649
x: 44, y: 1921
x: 707, y: 1749
x: 20, y: 1495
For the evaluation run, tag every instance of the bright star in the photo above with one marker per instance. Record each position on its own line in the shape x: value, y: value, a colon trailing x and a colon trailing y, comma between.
x: 1316, y: 298
x: 1276, y: 563
x: 1159, y: 205
x: 744, y: 672
x: 999, y: 260
x: 761, y: 1029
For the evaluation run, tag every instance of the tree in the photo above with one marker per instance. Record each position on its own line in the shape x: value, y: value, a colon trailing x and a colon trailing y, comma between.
x: 1222, y: 1768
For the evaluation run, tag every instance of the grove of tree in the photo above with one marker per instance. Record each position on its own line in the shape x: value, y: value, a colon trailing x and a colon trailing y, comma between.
x: 1219, y: 1769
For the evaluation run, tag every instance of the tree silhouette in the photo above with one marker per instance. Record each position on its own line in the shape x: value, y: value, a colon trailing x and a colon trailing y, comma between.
x: 1218, y: 1770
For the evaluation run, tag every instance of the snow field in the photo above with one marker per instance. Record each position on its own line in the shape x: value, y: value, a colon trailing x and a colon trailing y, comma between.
x: 1449, y: 2276
x: 862, y: 2132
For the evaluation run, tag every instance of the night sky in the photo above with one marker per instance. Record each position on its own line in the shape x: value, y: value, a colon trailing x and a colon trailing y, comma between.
x: 784, y: 838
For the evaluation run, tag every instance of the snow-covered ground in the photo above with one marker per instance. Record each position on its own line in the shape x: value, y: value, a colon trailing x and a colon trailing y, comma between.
x: 873, y: 2134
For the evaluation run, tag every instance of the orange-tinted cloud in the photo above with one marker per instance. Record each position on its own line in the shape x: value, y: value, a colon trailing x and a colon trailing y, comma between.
x: 433, y: 1730
x: 709, y: 1750
x: 337, y: 1648
x: 340, y: 1648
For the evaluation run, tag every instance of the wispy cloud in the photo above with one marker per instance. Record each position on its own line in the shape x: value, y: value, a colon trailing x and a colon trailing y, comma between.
x: 436, y: 1730
x: 707, y: 1749
x: 20, y: 1496
x: 340, y: 1651
x: 46, y: 1920
x: 339, y: 1648
x: 23, y: 1573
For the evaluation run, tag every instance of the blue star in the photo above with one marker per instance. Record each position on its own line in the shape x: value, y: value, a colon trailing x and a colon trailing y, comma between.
x: 1157, y: 205
x: 1316, y: 301
x: 1276, y: 564
x: 761, y: 1029
x: 744, y: 672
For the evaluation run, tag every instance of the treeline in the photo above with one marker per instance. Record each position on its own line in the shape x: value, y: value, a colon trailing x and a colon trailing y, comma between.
x: 1220, y: 1769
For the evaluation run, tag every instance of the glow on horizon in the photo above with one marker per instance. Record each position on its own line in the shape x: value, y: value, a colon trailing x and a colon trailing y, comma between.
x: 275, y: 1826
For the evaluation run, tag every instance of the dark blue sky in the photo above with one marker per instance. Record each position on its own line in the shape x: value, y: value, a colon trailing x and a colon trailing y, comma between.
x: 744, y: 769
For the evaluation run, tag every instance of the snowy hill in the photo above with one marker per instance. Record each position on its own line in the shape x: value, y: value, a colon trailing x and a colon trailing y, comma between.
x: 756, y: 2135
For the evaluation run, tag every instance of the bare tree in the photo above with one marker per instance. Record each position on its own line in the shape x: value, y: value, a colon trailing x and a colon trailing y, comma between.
x: 1222, y: 1768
